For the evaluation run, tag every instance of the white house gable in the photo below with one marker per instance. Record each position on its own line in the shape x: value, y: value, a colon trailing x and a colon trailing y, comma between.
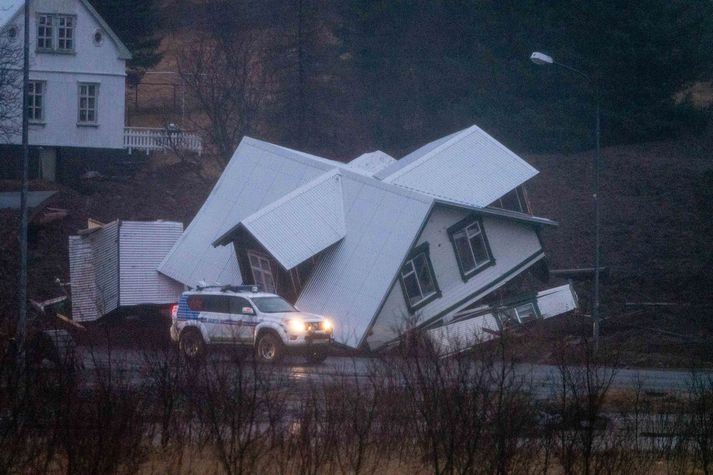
x: 77, y: 75
x: 508, y: 249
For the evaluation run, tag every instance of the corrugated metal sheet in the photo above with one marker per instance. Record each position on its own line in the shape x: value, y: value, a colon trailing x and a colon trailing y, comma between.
x: 94, y: 273
x: 258, y: 174
x: 81, y: 274
x: 142, y: 247
x: 372, y: 163
x: 106, y: 267
x: 302, y: 223
x: 470, y: 168
x: 353, y: 277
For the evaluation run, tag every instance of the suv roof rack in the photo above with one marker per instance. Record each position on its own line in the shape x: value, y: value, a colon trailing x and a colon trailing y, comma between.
x: 230, y: 288
x: 240, y: 288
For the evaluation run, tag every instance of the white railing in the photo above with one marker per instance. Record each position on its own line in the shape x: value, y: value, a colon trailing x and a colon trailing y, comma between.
x: 148, y: 139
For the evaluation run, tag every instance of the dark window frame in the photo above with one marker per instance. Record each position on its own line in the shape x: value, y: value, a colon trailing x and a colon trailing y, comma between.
x: 520, y: 195
x: 460, y: 226
x: 424, y: 249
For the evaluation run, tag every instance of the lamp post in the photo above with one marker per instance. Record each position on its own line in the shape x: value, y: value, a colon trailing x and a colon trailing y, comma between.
x: 542, y: 59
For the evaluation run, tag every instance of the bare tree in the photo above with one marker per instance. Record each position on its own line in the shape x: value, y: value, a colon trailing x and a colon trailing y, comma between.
x: 225, y: 69
x: 10, y: 86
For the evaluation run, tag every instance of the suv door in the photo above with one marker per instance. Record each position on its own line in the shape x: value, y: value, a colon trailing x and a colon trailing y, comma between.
x: 217, y: 318
x: 242, y: 311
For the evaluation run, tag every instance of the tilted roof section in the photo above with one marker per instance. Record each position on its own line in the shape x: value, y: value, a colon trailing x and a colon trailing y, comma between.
x: 258, y: 174
x: 469, y: 168
x: 300, y: 224
x: 372, y: 163
x: 10, y: 8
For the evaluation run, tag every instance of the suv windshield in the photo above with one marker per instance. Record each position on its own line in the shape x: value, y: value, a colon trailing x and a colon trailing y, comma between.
x: 273, y: 305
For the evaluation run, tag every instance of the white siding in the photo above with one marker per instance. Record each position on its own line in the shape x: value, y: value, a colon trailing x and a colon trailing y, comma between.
x: 143, y: 245
x: 352, y: 277
x: 62, y: 72
x: 511, y: 243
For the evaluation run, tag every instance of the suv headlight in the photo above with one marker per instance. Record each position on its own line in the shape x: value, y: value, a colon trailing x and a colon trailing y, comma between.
x: 296, y: 326
x: 327, y: 325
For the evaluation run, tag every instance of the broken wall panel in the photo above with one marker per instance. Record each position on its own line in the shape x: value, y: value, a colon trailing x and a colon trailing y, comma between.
x: 143, y: 245
x: 113, y: 265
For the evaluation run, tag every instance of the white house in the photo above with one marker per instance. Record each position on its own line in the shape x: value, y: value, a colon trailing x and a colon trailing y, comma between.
x: 374, y: 243
x: 77, y: 83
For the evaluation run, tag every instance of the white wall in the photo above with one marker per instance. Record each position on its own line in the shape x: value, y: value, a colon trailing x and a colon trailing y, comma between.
x: 511, y: 243
x: 63, y: 72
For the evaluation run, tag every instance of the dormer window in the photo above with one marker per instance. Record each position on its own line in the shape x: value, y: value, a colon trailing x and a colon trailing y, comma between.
x: 55, y: 33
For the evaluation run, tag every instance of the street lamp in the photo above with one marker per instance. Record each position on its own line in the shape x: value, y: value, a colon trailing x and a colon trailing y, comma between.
x: 542, y: 59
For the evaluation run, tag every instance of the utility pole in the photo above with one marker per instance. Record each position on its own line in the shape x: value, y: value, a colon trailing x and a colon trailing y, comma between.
x: 542, y: 59
x: 21, y: 330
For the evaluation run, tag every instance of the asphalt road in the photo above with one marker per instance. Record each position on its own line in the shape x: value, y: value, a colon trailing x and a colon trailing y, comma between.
x: 136, y: 366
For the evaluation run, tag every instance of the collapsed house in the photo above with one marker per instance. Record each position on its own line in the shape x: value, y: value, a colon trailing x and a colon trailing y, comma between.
x: 373, y: 243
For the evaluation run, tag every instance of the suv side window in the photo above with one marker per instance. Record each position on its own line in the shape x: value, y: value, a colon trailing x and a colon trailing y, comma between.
x: 216, y: 303
x: 238, y: 304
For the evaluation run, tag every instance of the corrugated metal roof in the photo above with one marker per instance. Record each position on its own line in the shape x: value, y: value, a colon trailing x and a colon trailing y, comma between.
x: 382, y: 222
x: 258, y: 174
x: 142, y: 247
x: 469, y: 167
x: 302, y: 223
x: 372, y: 163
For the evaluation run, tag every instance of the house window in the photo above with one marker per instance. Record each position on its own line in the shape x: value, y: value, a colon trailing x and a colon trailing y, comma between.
x: 44, y: 32
x: 35, y: 97
x: 88, y: 94
x: 513, y: 200
x: 418, y: 280
x: 262, y: 271
x: 55, y: 33
x: 65, y: 33
x: 471, y: 247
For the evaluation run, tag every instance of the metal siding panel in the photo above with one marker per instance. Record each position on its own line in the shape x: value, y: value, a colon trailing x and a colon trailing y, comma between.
x: 353, y: 276
x: 105, y: 244
x: 142, y: 247
x: 81, y: 275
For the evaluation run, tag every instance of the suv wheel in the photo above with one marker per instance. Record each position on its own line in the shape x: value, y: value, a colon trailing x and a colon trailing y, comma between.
x: 316, y: 355
x: 191, y: 344
x: 269, y: 348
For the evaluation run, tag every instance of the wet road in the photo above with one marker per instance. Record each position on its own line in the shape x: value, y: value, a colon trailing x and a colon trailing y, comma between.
x: 136, y: 368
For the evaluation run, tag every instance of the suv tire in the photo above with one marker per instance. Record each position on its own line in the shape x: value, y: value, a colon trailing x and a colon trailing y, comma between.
x: 316, y: 355
x: 269, y: 348
x: 191, y: 344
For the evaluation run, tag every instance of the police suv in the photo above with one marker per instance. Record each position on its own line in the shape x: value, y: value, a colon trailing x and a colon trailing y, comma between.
x: 242, y: 315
